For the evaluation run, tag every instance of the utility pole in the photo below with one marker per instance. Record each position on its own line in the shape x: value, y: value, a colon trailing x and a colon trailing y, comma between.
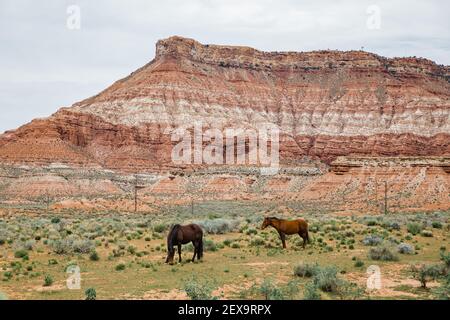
x: 385, y: 198
x: 136, y: 187
x: 47, y: 200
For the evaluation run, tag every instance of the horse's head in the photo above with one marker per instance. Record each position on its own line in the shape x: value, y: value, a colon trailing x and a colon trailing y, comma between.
x: 170, y: 255
x: 267, y: 221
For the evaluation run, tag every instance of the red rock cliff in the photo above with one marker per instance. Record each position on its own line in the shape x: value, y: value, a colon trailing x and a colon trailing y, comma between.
x: 326, y: 103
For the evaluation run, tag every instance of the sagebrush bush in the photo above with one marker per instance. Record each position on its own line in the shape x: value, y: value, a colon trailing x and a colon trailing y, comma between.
x: 219, y: 226
x: 405, y: 248
x: 306, y: 270
x: 311, y: 291
x: 382, y: 252
x: 326, y: 279
x: 257, y: 241
x: 414, y: 228
x: 372, y: 240
x: 48, y: 280
x: 198, y: 290
x: 21, y: 254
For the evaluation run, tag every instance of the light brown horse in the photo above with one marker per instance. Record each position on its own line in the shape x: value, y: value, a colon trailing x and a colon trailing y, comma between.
x: 286, y: 227
x: 179, y: 235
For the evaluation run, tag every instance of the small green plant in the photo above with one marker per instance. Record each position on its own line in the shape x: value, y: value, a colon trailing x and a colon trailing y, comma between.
x: 48, y: 280
x: 414, y: 228
x: 91, y: 294
x: 120, y: 267
x: 359, y: 263
x: 94, y: 256
x: 21, y: 254
x: 198, y: 290
x: 311, y: 291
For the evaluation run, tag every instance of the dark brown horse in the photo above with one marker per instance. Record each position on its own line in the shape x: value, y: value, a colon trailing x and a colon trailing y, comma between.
x: 179, y: 235
x: 286, y: 227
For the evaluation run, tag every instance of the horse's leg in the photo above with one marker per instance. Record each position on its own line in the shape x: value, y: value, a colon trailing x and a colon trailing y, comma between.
x: 179, y: 251
x: 195, y: 250
x: 283, y: 239
x: 304, y: 237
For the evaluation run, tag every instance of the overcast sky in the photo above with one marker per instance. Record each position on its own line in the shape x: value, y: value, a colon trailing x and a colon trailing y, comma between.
x: 45, y: 65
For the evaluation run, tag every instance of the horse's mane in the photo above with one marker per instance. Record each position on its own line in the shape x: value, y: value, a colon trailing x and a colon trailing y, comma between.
x: 172, y: 234
x: 273, y: 218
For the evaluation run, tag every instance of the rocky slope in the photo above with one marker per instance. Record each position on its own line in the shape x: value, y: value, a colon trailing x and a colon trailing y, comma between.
x: 326, y: 103
x: 348, y: 120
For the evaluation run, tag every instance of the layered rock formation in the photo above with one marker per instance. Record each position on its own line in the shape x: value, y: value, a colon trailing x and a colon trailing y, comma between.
x: 326, y: 104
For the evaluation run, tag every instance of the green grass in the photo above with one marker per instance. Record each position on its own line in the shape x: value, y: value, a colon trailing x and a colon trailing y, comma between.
x: 129, y: 256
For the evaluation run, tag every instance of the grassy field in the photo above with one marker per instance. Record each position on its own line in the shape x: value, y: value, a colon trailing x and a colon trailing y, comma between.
x: 121, y: 256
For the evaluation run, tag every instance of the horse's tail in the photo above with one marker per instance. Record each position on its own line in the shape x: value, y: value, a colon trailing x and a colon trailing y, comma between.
x: 171, y: 237
x: 307, y: 236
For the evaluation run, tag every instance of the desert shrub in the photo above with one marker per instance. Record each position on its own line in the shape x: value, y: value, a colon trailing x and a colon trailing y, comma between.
x: 436, y: 225
x: 414, y: 228
x: 21, y: 254
x: 359, y: 263
x: 443, y: 292
x: 48, y: 280
x: 394, y: 226
x: 198, y: 290
x: 120, y: 267
x: 405, y: 248
x: 372, y: 240
x: 348, y: 290
x: 7, y: 275
x: 425, y: 273
x: 218, y: 226
x: 371, y: 223
x: 208, y: 245
x: 257, y: 241
x: 326, y: 279
x: 426, y: 233
x: 68, y: 246
x: 160, y: 227
x: 91, y: 294
x: 94, y: 256
x: 55, y: 220
x: 382, y: 252
x: 83, y: 246
x: 306, y: 270
x: 52, y: 262
x: 61, y: 246
x: 311, y: 291
x: 251, y: 231
x: 270, y: 291
x: 3, y: 296
x: 445, y: 257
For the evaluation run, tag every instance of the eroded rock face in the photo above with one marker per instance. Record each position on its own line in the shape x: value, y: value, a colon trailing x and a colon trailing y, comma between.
x: 326, y: 104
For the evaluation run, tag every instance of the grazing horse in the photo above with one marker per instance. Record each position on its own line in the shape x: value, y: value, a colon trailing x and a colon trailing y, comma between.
x: 179, y: 235
x: 286, y: 227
